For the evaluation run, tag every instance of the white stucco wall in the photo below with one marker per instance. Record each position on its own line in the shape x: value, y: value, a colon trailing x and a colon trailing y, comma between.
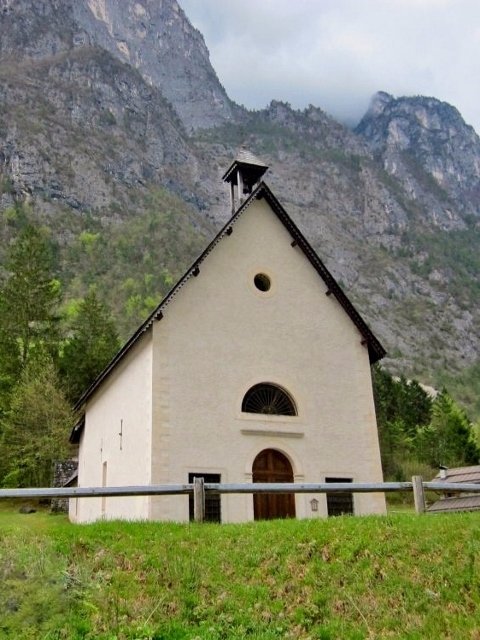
x: 220, y: 335
x: 123, y: 403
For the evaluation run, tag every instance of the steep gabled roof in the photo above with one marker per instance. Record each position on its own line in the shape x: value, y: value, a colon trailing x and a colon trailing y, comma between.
x: 375, y: 349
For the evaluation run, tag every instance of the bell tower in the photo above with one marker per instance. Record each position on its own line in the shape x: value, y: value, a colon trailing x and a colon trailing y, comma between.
x: 243, y: 175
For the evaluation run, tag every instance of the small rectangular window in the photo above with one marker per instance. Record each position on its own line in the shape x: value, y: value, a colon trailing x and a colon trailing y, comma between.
x: 339, y: 503
x: 212, y: 502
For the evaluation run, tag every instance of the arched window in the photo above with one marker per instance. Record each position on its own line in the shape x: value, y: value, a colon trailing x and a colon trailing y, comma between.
x: 268, y: 399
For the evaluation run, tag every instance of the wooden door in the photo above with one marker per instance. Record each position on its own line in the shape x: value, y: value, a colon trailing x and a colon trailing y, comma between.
x: 272, y: 466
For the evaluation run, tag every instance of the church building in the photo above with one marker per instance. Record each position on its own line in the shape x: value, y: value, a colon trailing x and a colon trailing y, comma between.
x: 255, y: 367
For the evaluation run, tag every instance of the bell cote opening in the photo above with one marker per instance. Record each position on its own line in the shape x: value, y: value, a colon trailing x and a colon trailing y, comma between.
x: 243, y: 175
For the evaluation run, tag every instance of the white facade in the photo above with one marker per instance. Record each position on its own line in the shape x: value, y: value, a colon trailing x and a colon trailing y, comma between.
x: 176, y: 395
x: 115, y: 447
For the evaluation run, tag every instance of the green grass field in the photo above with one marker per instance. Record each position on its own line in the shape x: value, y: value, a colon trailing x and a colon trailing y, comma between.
x: 399, y: 576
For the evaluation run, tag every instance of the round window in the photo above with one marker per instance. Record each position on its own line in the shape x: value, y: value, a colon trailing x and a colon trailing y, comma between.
x: 262, y: 282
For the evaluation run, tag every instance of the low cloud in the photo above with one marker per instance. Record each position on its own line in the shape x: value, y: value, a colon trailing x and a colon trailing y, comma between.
x: 336, y: 54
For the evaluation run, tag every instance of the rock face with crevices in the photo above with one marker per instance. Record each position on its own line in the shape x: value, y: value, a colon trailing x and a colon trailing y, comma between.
x: 152, y: 36
x: 427, y: 146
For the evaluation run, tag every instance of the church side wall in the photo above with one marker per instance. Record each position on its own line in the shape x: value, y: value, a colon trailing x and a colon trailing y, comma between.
x: 220, y: 336
x: 115, y: 445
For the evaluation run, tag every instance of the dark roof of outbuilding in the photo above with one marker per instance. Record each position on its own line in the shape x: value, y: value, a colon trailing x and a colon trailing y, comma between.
x: 461, y: 474
x: 456, y: 503
x: 375, y: 349
x: 72, y: 480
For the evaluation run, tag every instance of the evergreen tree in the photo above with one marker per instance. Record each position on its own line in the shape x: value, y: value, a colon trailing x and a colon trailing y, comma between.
x: 37, y: 426
x: 385, y: 395
x: 9, y: 364
x: 402, y: 408
x: 395, y: 448
x: 30, y: 295
x: 399, y: 399
x: 449, y: 439
x: 415, y: 405
x: 93, y: 343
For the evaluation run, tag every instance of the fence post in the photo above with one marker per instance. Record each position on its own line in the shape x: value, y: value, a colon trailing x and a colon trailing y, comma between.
x: 199, y: 499
x: 418, y: 494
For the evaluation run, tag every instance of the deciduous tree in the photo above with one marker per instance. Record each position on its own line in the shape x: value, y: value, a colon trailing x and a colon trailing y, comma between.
x: 37, y: 426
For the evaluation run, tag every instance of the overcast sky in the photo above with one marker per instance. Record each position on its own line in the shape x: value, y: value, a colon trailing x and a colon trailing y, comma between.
x: 336, y: 54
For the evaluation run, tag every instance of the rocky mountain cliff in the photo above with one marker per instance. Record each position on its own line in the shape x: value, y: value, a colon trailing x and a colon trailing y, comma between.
x: 115, y: 129
x: 152, y: 36
x: 426, y: 145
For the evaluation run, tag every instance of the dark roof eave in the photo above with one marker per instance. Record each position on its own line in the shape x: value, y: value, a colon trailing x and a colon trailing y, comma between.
x: 156, y: 313
x: 77, y: 430
x: 375, y: 349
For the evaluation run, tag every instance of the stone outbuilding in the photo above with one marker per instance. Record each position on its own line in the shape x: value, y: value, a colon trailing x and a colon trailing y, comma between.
x: 254, y: 367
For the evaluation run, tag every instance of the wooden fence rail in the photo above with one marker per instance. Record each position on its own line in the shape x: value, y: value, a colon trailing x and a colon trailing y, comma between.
x: 199, y: 489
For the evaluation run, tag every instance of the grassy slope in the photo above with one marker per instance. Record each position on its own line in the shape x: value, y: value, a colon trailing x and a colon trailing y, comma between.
x: 399, y: 576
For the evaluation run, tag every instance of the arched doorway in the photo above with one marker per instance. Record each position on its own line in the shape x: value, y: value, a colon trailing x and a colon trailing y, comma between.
x: 272, y: 466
